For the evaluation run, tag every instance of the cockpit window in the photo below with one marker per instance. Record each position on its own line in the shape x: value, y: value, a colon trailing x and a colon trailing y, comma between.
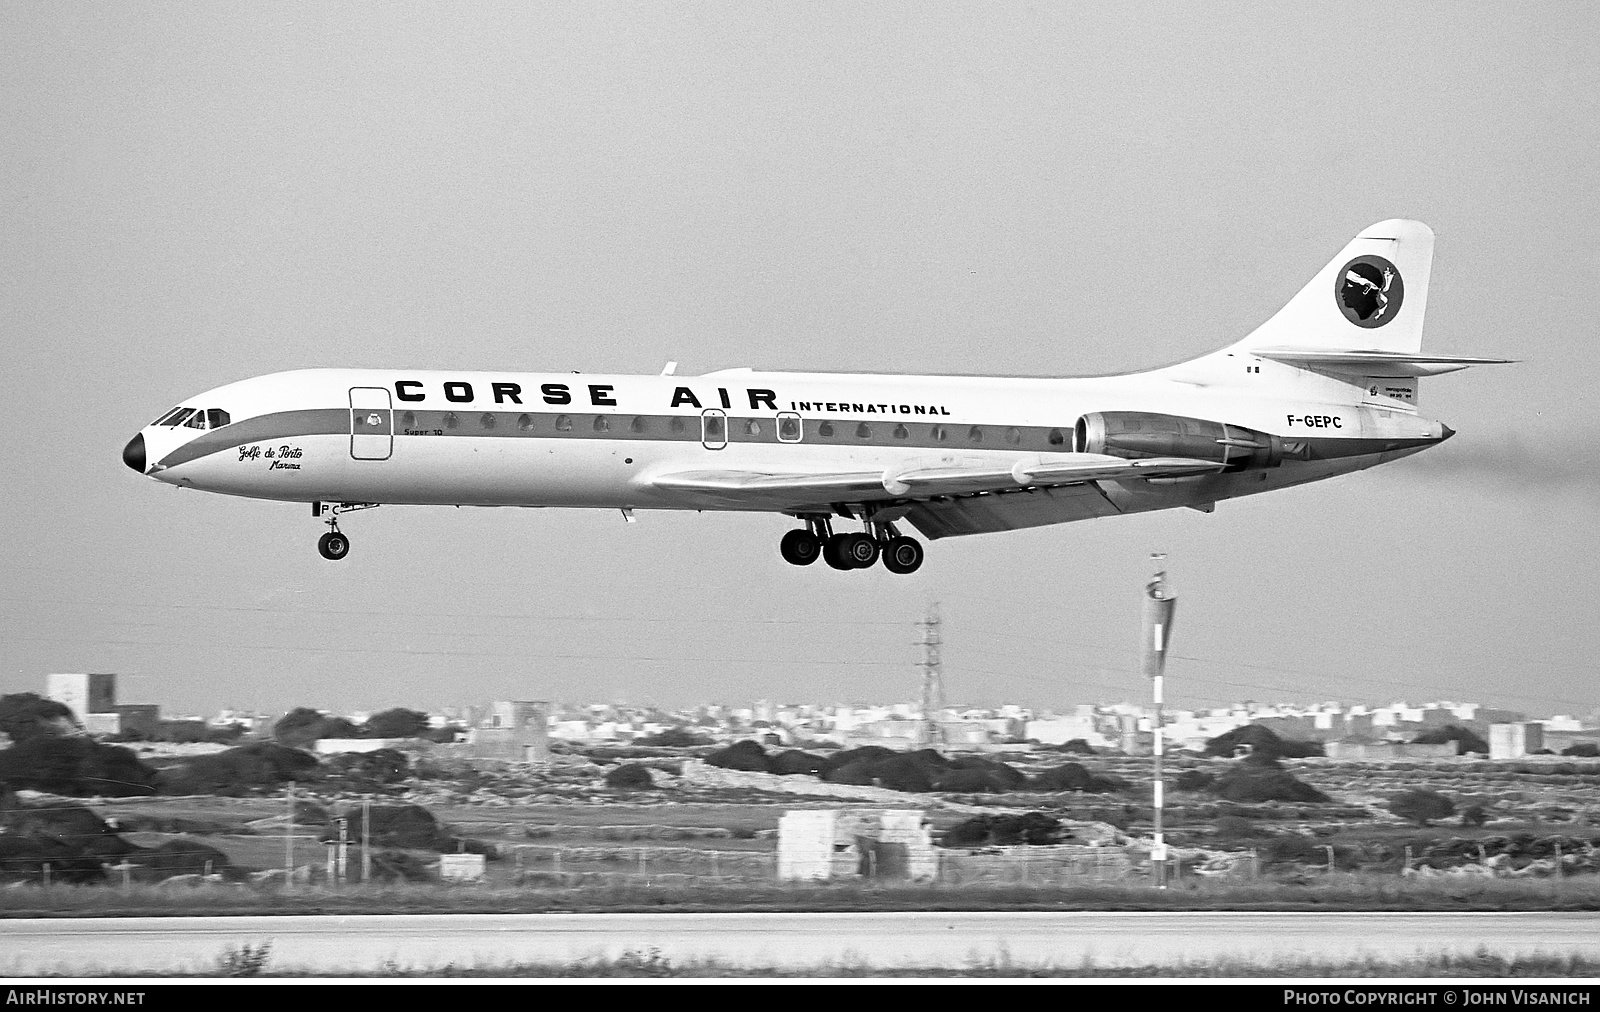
x: 216, y: 418
x: 178, y: 417
x: 196, y: 420
x: 167, y: 418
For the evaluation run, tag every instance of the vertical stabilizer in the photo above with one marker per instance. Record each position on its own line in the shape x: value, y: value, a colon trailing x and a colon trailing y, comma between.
x: 1371, y: 297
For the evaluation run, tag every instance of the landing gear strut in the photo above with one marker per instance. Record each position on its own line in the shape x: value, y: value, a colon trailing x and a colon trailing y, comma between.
x: 845, y: 551
x: 334, y: 545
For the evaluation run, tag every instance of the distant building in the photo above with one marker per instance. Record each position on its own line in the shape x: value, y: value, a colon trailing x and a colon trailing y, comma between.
x: 143, y: 719
x: 1512, y: 741
x: 515, y: 730
x: 83, y: 694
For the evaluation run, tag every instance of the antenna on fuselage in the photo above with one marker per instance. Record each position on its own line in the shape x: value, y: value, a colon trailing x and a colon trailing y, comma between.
x: 671, y: 368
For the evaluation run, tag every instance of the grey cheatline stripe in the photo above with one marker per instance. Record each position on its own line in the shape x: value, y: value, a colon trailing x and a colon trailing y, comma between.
x: 262, y: 429
x: 409, y: 422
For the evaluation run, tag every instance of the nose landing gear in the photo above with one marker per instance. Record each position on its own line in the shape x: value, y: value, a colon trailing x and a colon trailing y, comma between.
x: 846, y: 551
x: 334, y: 545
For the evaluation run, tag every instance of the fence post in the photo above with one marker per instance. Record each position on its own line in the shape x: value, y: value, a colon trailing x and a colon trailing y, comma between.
x: 1329, y: 849
x: 1255, y: 863
x: 1407, y: 867
x: 1558, y: 861
x: 714, y: 873
x: 45, y: 868
x: 558, y: 861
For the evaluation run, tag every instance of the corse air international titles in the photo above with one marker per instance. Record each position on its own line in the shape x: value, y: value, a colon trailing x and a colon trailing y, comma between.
x: 1328, y: 385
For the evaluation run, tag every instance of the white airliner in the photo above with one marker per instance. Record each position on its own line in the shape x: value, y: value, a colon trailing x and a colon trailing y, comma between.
x: 1326, y: 386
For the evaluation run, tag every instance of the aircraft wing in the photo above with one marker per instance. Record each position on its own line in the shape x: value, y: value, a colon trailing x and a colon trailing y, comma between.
x: 808, y: 491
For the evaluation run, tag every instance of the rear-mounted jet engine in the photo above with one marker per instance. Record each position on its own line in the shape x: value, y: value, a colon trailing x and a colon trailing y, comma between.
x: 1136, y: 435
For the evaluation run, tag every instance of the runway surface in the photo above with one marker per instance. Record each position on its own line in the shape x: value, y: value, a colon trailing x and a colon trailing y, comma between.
x: 364, y: 944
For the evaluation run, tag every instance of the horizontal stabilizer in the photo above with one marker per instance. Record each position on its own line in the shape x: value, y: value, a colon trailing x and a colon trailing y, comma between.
x: 1372, y: 363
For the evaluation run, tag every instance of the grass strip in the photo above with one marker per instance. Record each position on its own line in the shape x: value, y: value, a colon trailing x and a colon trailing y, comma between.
x: 1351, y: 892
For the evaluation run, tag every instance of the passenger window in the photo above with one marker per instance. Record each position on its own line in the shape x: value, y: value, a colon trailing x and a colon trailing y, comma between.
x: 676, y: 425
x: 563, y: 423
x: 1057, y: 438
x: 637, y: 425
x: 408, y: 420
x: 1013, y: 435
x: 602, y: 423
x: 940, y: 433
x: 450, y: 420
x: 524, y: 422
x: 216, y: 418
x: 863, y: 431
x: 825, y: 429
x: 487, y: 421
x: 900, y: 432
x: 752, y: 428
x: 789, y: 427
x: 975, y: 434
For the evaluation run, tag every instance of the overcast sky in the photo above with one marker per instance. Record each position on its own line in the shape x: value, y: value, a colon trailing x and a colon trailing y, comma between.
x: 194, y: 194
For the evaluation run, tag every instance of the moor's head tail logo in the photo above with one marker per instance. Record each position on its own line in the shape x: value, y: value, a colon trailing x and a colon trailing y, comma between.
x: 1369, y: 291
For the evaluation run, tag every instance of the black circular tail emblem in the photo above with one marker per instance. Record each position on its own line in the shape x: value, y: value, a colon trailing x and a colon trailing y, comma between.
x: 1369, y: 291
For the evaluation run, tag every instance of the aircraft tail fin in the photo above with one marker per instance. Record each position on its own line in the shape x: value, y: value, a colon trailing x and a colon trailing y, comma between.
x: 1369, y: 298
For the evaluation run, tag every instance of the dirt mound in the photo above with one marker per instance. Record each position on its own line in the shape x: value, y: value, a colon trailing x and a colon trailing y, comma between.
x: 1466, y: 740
x: 1422, y: 806
x: 1073, y: 777
x: 1254, y: 739
x: 1253, y: 782
x: 794, y: 761
x: 77, y: 766
x: 177, y: 857
x: 398, y: 866
x: 24, y: 858
x: 410, y: 827
x: 747, y: 755
x: 1012, y: 778
x: 366, y: 770
x: 254, y: 767
x: 1034, y: 828
x: 846, y: 757
x: 630, y: 777
x: 970, y: 781
x: 1077, y: 746
x: 73, y: 827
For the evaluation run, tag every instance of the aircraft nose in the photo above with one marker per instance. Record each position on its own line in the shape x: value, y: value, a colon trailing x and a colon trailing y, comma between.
x: 133, y: 453
x: 1445, y: 432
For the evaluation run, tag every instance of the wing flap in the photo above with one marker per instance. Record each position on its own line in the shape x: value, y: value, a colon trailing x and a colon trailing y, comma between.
x: 1373, y: 363
x: 791, y: 491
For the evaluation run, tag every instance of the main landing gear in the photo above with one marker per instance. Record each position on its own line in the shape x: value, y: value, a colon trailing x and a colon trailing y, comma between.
x: 844, y: 551
x: 334, y: 545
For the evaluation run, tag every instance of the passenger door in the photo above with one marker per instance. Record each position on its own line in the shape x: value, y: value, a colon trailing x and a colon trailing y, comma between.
x: 371, y: 423
x: 713, y: 429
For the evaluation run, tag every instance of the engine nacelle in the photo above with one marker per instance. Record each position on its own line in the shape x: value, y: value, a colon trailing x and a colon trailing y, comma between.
x: 1137, y: 435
